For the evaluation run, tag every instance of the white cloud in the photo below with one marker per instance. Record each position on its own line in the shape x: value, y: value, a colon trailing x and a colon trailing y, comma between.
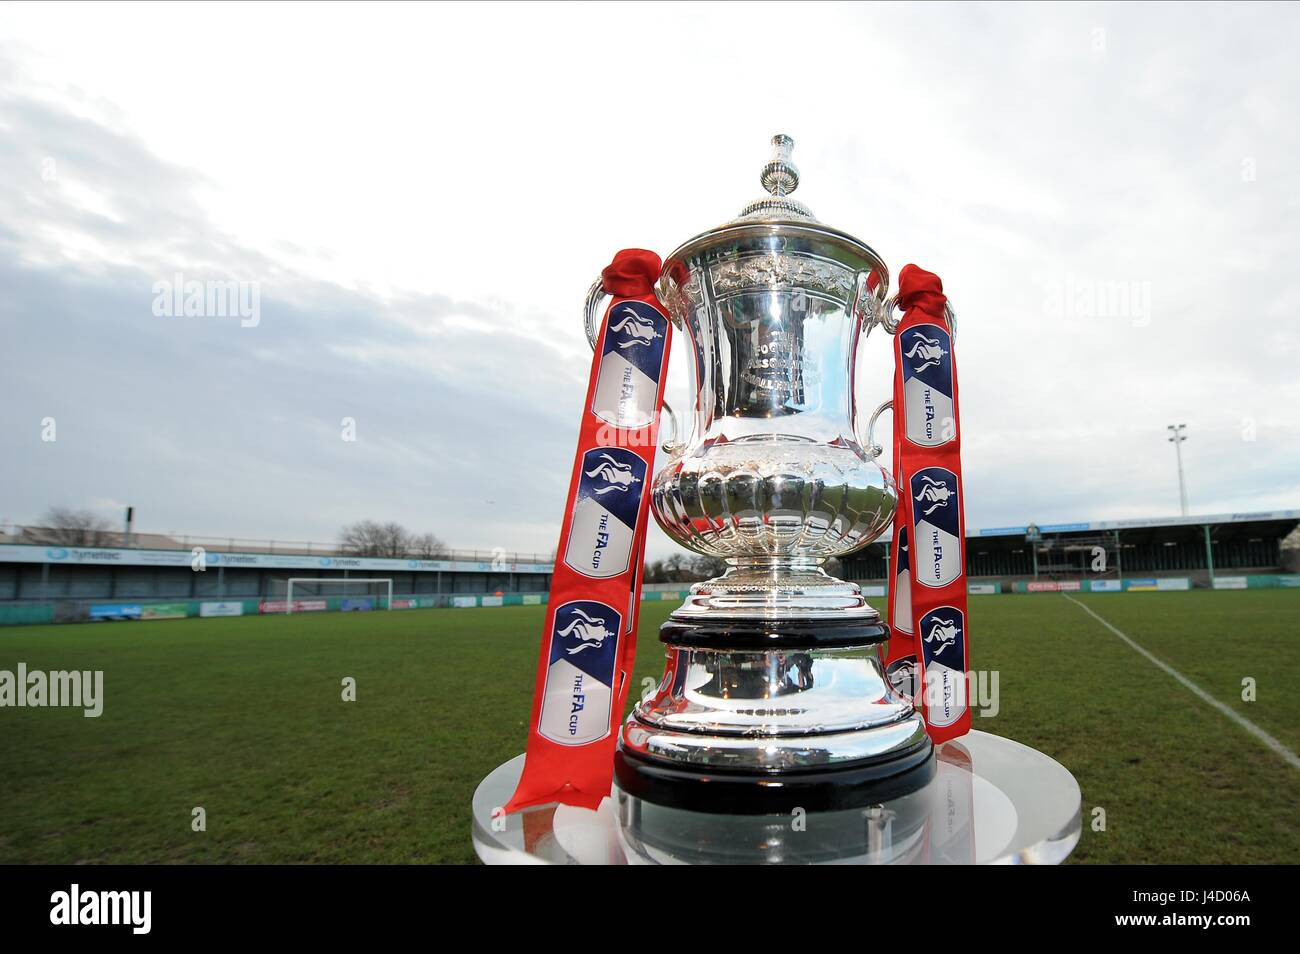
x: 425, y: 192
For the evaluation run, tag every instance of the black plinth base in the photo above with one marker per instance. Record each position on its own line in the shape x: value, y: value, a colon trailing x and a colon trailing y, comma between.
x: 856, y: 785
x: 757, y: 634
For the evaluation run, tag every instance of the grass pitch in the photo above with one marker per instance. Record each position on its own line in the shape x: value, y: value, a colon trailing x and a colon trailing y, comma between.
x: 244, y: 718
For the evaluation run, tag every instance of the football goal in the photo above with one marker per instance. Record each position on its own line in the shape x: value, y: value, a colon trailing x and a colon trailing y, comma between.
x: 316, y: 588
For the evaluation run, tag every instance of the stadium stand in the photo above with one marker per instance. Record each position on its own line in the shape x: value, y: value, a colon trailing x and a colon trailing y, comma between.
x: 155, y: 576
x: 1196, y: 547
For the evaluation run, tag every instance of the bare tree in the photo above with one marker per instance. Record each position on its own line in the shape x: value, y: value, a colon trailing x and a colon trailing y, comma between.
x: 394, y: 541
x: 368, y: 538
x: 68, y: 527
x: 426, y: 546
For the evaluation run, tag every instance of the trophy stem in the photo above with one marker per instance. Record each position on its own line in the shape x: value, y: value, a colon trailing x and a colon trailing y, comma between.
x: 776, y: 587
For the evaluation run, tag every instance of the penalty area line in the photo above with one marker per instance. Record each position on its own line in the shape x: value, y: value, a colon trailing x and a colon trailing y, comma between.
x: 1281, y: 750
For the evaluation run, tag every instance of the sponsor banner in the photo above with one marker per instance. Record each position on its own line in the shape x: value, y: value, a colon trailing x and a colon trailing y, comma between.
x: 1063, y: 527
x: 299, y: 606
x: 361, y: 604
x: 31, y: 553
x: 1263, y: 515
x: 532, y: 599
x: 116, y: 611
x: 464, y: 602
x: 983, y: 589
x: 1230, y: 583
x: 1042, y: 586
x: 1003, y: 532
x: 222, y: 608
x: 165, y: 611
x: 1140, y: 586
x: 493, y: 601
x: 405, y: 604
x: 1290, y: 582
x: 873, y: 589
x: 1106, y: 586
x: 1170, y: 584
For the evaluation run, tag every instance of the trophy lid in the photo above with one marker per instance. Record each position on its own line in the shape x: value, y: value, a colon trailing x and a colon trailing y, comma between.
x: 780, y: 177
x: 778, y: 223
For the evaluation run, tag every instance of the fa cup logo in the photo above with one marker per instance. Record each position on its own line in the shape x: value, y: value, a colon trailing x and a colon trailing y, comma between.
x: 590, y: 631
x: 944, y: 632
x: 929, y: 350
x: 617, y: 475
x: 642, y: 332
x: 935, y: 492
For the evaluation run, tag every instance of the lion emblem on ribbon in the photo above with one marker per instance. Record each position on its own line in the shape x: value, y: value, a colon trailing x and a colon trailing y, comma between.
x: 617, y: 475
x: 944, y: 632
x: 935, y: 492
x: 929, y: 350
x: 641, y: 330
x: 590, y: 631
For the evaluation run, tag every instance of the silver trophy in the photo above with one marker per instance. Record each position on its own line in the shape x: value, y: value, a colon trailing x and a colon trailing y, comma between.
x: 774, y: 693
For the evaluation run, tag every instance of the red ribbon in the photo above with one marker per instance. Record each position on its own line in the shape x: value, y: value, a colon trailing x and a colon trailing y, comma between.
x: 589, y: 640
x: 632, y: 273
x: 927, y: 585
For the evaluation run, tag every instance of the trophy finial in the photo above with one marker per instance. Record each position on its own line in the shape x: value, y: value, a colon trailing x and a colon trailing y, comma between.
x: 780, y: 177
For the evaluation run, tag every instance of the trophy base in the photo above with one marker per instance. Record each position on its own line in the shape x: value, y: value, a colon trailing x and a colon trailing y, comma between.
x: 761, y: 793
x: 755, y: 717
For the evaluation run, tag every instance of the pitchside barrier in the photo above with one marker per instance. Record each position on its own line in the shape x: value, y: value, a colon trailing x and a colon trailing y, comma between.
x: 68, y: 611
x: 1163, y: 584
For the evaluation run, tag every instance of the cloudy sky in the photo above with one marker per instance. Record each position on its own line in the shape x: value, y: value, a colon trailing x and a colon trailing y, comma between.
x: 422, y: 195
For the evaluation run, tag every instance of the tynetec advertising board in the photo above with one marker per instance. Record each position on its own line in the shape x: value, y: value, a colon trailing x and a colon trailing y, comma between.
x: 211, y: 559
x: 299, y: 606
x: 1230, y: 583
x: 1161, y: 585
x: 222, y: 608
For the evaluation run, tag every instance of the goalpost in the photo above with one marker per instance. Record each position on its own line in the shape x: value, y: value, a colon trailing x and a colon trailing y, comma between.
x: 336, y: 581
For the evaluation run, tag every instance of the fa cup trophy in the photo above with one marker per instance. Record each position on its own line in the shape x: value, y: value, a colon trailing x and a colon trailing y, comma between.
x: 775, y: 693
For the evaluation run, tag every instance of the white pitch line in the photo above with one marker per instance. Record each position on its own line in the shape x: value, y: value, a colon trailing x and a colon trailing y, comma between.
x: 1286, y: 754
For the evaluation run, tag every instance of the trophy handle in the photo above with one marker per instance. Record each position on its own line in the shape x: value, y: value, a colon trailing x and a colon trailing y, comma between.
x: 873, y: 449
x: 869, y: 308
x: 890, y: 323
x: 591, y: 323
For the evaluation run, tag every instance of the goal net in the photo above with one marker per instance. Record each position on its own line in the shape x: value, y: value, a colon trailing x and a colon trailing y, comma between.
x: 309, y: 593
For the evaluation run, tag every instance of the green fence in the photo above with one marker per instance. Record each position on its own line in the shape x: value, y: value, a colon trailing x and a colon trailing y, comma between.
x: 65, y: 612
x: 25, y: 615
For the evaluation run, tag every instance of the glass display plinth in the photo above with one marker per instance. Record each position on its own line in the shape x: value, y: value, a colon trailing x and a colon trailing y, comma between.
x: 992, y: 801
